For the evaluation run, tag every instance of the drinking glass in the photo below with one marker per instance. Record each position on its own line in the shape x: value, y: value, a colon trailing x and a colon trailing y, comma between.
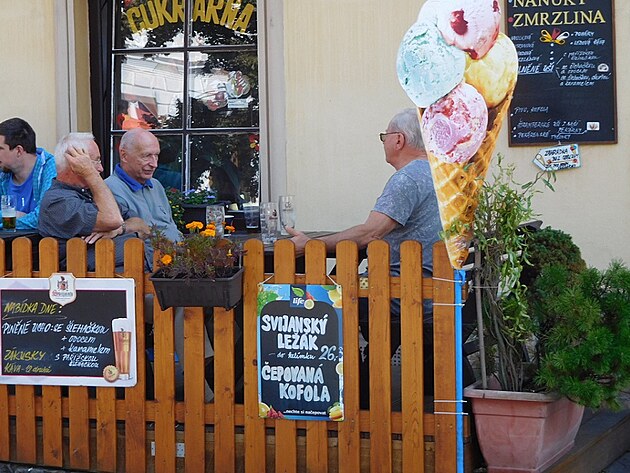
x: 286, y: 203
x: 9, y: 213
x: 269, y: 222
x: 252, y: 216
x: 216, y: 214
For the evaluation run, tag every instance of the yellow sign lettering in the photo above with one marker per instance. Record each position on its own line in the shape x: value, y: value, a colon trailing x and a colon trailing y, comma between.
x: 154, y: 13
x: 146, y: 24
x: 546, y: 3
x: 229, y: 14
x: 243, y: 20
x: 212, y: 13
x: 558, y: 18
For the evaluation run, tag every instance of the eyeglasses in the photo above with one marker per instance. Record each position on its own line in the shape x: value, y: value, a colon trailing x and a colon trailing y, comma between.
x: 381, y: 136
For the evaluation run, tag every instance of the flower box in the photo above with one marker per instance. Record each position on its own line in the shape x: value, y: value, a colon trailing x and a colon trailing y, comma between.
x: 219, y: 292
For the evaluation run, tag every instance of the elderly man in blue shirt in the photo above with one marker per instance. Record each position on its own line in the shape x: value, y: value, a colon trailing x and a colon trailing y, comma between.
x: 139, y: 195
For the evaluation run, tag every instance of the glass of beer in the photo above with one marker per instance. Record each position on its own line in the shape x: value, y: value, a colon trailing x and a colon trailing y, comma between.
x: 8, y: 212
x: 121, y: 331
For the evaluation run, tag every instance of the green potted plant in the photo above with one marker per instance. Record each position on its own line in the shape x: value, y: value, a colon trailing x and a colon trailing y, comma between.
x: 189, y: 206
x: 202, y: 270
x: 528, y: 414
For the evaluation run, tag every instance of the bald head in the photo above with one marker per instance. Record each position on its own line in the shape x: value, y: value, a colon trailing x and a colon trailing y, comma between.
x: 139, y: 150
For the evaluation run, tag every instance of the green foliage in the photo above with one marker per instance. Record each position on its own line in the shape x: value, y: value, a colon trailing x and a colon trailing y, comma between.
x: 585, y: 333
x: 200, y: 255
x: 549, y: 247
x: 503, y: 206
x: 178, y: 199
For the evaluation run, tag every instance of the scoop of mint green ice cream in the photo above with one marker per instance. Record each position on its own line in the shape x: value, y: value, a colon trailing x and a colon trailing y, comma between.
x: 428, y: 68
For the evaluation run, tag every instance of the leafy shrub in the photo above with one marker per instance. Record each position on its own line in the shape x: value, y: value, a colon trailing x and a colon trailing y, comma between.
x: 548, y: 247
x: 585, y: 333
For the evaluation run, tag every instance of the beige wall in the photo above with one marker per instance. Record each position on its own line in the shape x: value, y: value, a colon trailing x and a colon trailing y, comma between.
x: 342, y: 89
x: 27, y: 79
x: 45, y: 75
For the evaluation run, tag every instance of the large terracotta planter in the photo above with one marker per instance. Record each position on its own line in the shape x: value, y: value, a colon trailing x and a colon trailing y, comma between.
x: 220, y: 292
x: 523, y: 432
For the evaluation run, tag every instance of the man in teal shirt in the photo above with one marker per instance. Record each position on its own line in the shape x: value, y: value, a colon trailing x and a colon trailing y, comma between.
x: 25, y: 170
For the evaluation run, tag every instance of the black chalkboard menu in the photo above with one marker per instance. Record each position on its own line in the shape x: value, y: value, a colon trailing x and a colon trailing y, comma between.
x: 566, y: 82
x: 300, y: 352
x: 88, y: 341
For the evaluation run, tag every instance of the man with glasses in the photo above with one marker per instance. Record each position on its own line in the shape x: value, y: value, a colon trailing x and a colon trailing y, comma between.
x: 407, y: 209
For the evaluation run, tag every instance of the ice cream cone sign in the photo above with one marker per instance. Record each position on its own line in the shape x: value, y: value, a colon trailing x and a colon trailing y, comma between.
x: 460, y: 72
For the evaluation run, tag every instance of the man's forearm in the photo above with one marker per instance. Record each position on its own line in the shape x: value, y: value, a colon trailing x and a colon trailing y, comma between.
x: 359, y: 234
x: 108, y: 217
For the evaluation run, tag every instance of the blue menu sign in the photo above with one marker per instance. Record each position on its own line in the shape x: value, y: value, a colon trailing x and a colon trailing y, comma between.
x: 300, y: 352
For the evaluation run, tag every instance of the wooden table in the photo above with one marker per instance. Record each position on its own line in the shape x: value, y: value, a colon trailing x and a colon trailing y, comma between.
x: 269, y: 249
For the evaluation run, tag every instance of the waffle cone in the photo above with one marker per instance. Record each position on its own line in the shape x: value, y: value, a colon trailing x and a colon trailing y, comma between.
x: 457, y: 187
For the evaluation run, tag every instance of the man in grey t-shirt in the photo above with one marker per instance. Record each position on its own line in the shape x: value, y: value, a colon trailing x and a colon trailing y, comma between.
x: 407, y: 209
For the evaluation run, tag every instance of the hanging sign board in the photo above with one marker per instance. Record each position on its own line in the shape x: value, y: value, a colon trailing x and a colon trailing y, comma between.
x: 557, y: 158
x: 67, y: 331
x: 300, y: 352
x: 566, y: 82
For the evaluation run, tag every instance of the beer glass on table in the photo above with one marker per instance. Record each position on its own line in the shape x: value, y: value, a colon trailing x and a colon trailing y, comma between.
x: 286, y: 203
x: 9, y: 213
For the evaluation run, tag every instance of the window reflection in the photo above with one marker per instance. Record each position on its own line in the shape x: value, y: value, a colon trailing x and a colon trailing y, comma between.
x: 199, y: 93
x: 148, y: 91
x: 227, y: 164
x: 224, y: 90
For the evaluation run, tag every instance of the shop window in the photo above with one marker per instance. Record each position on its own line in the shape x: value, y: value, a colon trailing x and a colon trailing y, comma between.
x: 188, y: 71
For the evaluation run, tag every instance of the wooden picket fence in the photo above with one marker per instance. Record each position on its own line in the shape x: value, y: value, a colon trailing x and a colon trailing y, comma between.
x: 123, y: 431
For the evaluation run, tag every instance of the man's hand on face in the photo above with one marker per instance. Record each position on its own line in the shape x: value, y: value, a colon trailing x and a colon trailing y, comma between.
x: 80, y: 162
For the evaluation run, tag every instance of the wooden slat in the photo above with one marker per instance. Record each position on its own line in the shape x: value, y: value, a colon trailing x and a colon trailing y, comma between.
x: 51, y: 395
x: 349, y: 448
x: 286, y: 434
x: 5, y: 451
x: 255, y: 441
x: 316, y: 432
x: 79, y: 420
x: 164, y: 352
x: 135, y: 416
x: 24, y: 395
x: 444, y: 349
x: 380, y: 359
x: 106, y: 451
x: 194, y: 390
x: 412, y: 368
x: 224, y: 442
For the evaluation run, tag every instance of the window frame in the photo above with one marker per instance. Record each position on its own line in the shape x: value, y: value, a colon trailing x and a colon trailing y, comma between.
x: 270, y: 79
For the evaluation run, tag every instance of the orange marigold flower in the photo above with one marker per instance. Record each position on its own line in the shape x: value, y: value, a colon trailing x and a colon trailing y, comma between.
x: 166, y: 259
x: 194, y: 225
x: 211, y: 226
x: 208, y: 232
x: 230, y: 228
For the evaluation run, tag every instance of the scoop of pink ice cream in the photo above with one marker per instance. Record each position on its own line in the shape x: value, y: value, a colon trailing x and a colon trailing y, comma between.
x: 470, y: 25
x: 454, y: 126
